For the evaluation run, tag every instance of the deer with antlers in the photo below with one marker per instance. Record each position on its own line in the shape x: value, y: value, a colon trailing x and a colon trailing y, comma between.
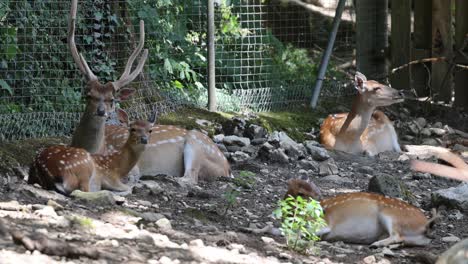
x: 367, y: 218
x: 66, y: 169
x: 101, y: 98
x: 363, y: 129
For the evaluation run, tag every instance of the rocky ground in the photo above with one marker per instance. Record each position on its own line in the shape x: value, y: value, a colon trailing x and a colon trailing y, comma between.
x: 161, y: 222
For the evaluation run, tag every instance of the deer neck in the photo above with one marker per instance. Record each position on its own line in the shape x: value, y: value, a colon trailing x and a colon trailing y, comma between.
x: 357, y: 120
x: 124, y: 160
x: 89, y: 133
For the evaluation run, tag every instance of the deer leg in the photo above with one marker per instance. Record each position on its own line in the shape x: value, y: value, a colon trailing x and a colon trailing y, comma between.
x: 419, y: 240
x: 388, y: 224
x: 191, y: 168
x: 93, y: 183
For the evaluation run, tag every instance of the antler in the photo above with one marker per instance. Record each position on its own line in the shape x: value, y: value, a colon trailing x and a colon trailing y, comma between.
x: 458, y: 172
x: 128, y: 77
x: 77, y: 57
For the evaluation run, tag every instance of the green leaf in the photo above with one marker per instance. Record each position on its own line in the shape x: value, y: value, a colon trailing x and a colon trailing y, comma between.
x: 6, y: 87
x: 98, y: 16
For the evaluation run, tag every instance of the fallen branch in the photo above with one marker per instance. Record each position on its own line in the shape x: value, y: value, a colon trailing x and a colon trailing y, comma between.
x: 436, y: 59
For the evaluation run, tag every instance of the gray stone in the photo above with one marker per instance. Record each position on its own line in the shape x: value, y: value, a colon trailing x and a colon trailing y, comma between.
x: 251, y: 150
x: 41, y: 194
x: 151, y: 217
x: 258, y: 141
x: 218, y: 138
x: 279, y: 155
x: 454, y: 197
x: 337, y: 179
x: 328, y: 167
x: 437, y: 131
x: 153, y: 186
x: 451, y: 239
x: 430, y: 142
x: 426, y: 132
x: 457, y: 254
x: 203, y: 122
x: 413, y: 128
x: 421, y: 121
x: 422, y: 176
x: 316, y: 152
x: 254, y: 131
x: 164, y: 224
x: 309, y: 164
x: 233, y: 148
x: 291, y: 147
x: 365, y: 170
x: 236, y: 141
x: 101, y: 198
x: 239, y: 156
x: 386, y: 184
x: 437, y: 125
x: 221, y: 147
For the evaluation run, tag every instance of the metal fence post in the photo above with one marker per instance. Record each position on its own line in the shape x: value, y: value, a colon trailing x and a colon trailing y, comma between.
x: 211, y: 58
x: 327, y: 54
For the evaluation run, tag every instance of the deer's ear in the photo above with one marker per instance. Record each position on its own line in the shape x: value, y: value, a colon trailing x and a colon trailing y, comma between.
x: 124, y: 93
x: 359, y: 80
x: 123, y: 116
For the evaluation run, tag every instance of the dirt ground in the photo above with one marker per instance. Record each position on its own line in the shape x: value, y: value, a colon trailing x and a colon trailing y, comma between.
x: 131, y: 233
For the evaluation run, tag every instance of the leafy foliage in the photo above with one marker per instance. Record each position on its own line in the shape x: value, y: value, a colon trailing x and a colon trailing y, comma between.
x: 301, y: 220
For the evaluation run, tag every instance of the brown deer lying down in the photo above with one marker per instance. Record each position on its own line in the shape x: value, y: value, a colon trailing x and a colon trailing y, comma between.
x: 174, y: 151
x: 66, y: 169
x: 459, y: 171
x: 367, y: 218
x: 363, y: 129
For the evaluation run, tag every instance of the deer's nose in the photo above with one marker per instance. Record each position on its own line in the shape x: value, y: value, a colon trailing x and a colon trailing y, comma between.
x: 144, y: 140
x: 101, y: 111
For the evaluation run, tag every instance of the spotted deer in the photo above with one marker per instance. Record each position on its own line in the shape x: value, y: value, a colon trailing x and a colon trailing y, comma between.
x: 175, y: 151
x: 100, y: 98
x: 66, y: 169
x: 364, y: 129
x: 367, y: 218
x: 459, y: 171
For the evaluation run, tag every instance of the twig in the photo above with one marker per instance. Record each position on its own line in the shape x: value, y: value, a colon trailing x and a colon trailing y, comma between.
x: 436, y: 59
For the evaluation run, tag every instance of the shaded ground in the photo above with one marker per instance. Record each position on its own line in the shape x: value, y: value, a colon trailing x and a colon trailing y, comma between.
x: 130, y: 232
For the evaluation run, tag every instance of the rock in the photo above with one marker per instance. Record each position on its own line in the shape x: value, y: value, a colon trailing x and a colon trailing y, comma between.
x: 41, y: 194
x: 236, y: 141
x: 454, y: 197
x: 55, y: 205
x: 268, y: 240
x: 233, y: 148
x: 251, y: 150
x: 235, y: 126
x: 254, y: 132
x: 47, y: 211
x: 365, y: 170
x: 239, y: 156
x: 258, y: 141
x: 422, y: 176
x: 457, y: 254
x: 101, y: 198
x: 437, y: 125
x: 456, y: 215
x: 265, y: 151
x: 218, y: 138
x: 203, y: 122
x: 164, y: 224
x: 279, y: 155
x: 430, y: 142
x: 421, y: 121
x: 317, y: 153
x: 196, y: 243
x: 328, y: 167
x: 151, y: 217
x: 153, y: 186
x: 291, y: 147
x: 426, y: 132
x: 437, y: 131
x: 274, y: 138
x: 337, y: 179
x: 309, y: 164
x: 413, y: 128
x: 451, y: 239
x: 386, y: 184
x: 14, y: 206
x: 222, y: 147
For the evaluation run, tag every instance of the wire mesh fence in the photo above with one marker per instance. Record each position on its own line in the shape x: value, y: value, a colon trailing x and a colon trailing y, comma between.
x: 266, y: 56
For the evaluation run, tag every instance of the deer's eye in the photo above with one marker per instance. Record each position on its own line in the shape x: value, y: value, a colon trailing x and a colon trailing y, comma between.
x: 132, y: 130
x: 150, y: 131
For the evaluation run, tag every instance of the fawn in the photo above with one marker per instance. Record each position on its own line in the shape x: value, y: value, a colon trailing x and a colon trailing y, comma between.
x: 66, y: 169
x: 367, y: 218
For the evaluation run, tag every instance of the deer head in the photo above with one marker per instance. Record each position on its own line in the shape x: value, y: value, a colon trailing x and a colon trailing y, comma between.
x: 140, y: 131
x: 374, y: 93
x: 304, y: 188
x: 101, y: 98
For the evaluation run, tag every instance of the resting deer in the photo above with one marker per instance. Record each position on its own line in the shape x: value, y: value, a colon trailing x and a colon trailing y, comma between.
x: 367, y: 218
x: 100, y: 98
x: 363, y: 129
x: 459, y: 171
x: 66, y: 169
x: 175, y: 151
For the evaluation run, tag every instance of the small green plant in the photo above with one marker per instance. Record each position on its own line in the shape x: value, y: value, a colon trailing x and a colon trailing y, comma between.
x: 246, y: 179
x: 230, y: 196
x: 301, y: 220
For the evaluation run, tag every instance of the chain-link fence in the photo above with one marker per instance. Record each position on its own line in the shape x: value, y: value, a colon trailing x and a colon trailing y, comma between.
x: 266, y: 56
